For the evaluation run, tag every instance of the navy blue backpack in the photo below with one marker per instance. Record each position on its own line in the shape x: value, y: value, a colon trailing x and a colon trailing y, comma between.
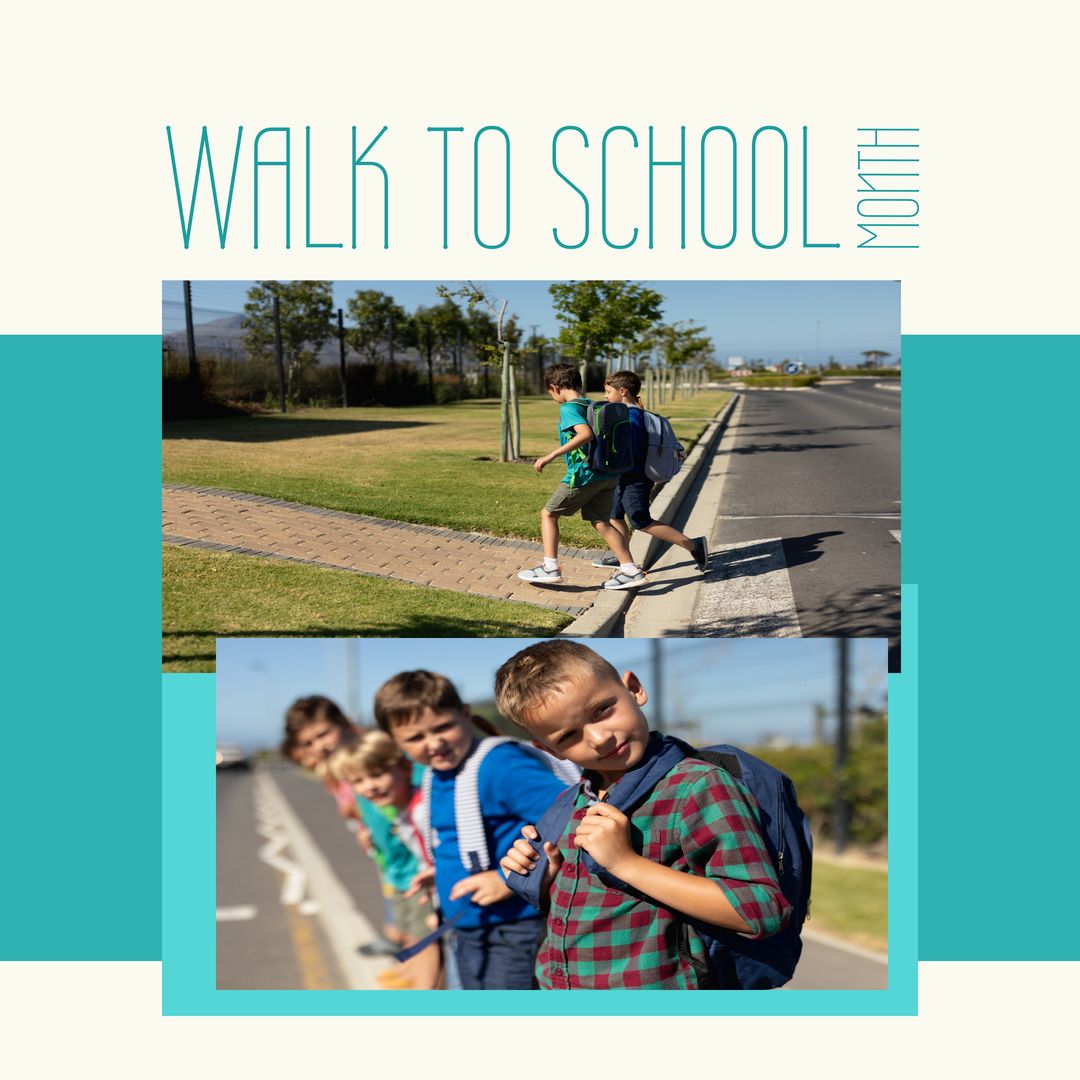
x: 735, y: 962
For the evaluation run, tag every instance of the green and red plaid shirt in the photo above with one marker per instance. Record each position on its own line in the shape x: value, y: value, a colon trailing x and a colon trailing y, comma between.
x: 697, y: 819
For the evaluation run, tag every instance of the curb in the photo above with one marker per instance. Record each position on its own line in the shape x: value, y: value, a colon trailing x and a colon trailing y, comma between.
x: 611, y: 605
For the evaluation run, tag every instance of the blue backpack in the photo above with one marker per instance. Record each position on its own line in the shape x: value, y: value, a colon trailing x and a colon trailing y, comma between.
x: 735, y: 962
x: 611, y: 449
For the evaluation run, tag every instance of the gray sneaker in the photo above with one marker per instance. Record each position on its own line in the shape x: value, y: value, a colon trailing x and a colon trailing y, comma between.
x: 605, y: 561
x: 539, y: 576
x: 627, y: 581
x: 701, y: 553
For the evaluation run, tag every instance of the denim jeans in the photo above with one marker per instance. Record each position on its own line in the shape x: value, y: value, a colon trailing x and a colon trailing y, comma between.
x: 498, y: 957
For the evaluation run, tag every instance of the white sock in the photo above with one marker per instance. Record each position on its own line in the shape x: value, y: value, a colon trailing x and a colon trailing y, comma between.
x: 629, y: 568
x: 551, y: 564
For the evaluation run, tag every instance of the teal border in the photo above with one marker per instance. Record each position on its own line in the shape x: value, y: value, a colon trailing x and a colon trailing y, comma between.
x: 189, y: 897
x: 80, y: 793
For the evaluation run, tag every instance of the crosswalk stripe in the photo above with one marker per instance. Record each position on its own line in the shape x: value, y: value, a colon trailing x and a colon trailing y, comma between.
x: 747, y: 593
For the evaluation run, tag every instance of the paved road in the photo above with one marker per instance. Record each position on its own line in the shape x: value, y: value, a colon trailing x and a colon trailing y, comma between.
x: 272, y: 930
x: 810, y: 506
x: 309, y: 942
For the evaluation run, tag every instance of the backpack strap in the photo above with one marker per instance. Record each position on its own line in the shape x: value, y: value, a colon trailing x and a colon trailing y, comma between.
x: 551, y: 826
x: 471, y: 835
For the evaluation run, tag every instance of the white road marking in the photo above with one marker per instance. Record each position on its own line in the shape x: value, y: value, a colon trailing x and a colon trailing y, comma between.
x: 747, y: 593
x: 269, y: 827
x: 309, y: 907
x: 240, y: 913
x: 345, y: 926
x: 895, y: 534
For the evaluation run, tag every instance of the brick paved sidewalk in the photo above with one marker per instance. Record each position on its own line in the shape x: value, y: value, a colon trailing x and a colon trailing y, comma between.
x: 422, y: 554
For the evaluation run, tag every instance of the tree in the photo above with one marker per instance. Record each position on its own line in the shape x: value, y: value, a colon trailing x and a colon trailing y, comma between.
x: 434, y: 329
x: 874, y: 357
x: 306, y: 308
x: 507, y: 333
x: 680, y: 345
x: 375, y: 317
x: 603, y: 319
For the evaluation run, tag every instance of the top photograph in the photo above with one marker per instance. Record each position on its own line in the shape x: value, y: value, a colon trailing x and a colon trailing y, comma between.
x: 529, y: 458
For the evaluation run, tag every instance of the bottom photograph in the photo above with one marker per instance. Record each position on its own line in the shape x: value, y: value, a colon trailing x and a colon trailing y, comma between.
x: 485, y: 814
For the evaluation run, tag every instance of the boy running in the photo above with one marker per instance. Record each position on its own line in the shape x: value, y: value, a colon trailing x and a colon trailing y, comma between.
x: 581, y: 489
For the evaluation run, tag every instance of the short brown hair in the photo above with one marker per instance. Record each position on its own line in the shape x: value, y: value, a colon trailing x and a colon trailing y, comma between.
x: 629, y: 381
x: 308, y: 710
x: 404, y: 696
x: 562, y: 377
x: 376, y: 752
x: 529, y: 677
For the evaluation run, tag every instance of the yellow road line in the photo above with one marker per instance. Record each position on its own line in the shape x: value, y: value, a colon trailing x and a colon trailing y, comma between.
x: 314, y: 971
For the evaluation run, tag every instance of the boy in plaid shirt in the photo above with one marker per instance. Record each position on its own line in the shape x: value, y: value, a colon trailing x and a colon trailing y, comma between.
x: 621, y: 893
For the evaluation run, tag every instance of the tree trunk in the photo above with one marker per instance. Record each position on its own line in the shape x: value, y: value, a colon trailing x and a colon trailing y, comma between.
x: 515, y: 414
x: 505, y: 450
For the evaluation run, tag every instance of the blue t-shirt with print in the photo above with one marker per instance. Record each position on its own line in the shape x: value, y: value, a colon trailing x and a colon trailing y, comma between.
x: 578, y: 472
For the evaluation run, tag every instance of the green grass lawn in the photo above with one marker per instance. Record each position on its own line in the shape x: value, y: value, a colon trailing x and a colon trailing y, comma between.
x: 420, y: 464
x: 208, y: 594
x: 852, y: 903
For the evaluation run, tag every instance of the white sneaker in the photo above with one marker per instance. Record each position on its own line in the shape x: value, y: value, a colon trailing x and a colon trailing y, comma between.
x: 627, y: 581
x: 539, y: 576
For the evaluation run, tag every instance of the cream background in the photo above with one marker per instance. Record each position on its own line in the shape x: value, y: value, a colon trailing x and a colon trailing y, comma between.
x: 90, y: 229
x: 90, y: 88
x: 976, y: 1020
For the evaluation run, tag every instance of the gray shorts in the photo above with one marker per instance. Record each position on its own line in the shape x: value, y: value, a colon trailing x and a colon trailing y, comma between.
x: 593, y: 500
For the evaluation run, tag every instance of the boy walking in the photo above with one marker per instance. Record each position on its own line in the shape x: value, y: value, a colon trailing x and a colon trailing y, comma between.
x: 624, y: 895
x: 581, y: 489
x: 634, y: 488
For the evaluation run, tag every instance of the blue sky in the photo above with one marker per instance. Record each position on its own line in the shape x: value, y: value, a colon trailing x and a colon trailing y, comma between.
x: 738, y: 689
x: 773, y: 320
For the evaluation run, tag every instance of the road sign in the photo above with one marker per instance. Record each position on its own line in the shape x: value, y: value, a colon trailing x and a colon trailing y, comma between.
x: 791, y: 368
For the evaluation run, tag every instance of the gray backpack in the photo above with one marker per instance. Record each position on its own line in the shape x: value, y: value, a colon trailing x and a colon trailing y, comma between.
x: 663, y: 456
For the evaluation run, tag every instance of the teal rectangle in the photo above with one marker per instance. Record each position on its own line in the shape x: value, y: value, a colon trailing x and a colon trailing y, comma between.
x: 988, y: 463
x: 80, y: 797
x: 189, y: 896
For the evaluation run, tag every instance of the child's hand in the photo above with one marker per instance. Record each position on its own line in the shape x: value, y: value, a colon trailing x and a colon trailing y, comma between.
x: 363, y: 838
x: 539, y: 463
x: 423, y: 881
x: 604, y: 833
x: 483, y: 889
x: 522, y: 857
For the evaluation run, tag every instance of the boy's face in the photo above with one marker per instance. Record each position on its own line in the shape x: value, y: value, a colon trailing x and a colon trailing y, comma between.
x: 612, y: 393
x: 439, y: 739
x: 387, y: 787
x: 315, y: 742
x: 595, y: 723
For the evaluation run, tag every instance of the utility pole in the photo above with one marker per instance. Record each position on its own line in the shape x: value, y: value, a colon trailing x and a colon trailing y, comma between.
x: 841, y: 806
x: 657, y: 699
x: 341, y: 347
x: 278, y: 352
x: 193, y: 363
x: 539, y: 358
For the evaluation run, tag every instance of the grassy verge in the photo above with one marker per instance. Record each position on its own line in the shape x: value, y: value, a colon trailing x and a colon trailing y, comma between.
x: 245, y: 596
x: 780, y: 380
x: 852, y: 903
x: 430, y: 465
